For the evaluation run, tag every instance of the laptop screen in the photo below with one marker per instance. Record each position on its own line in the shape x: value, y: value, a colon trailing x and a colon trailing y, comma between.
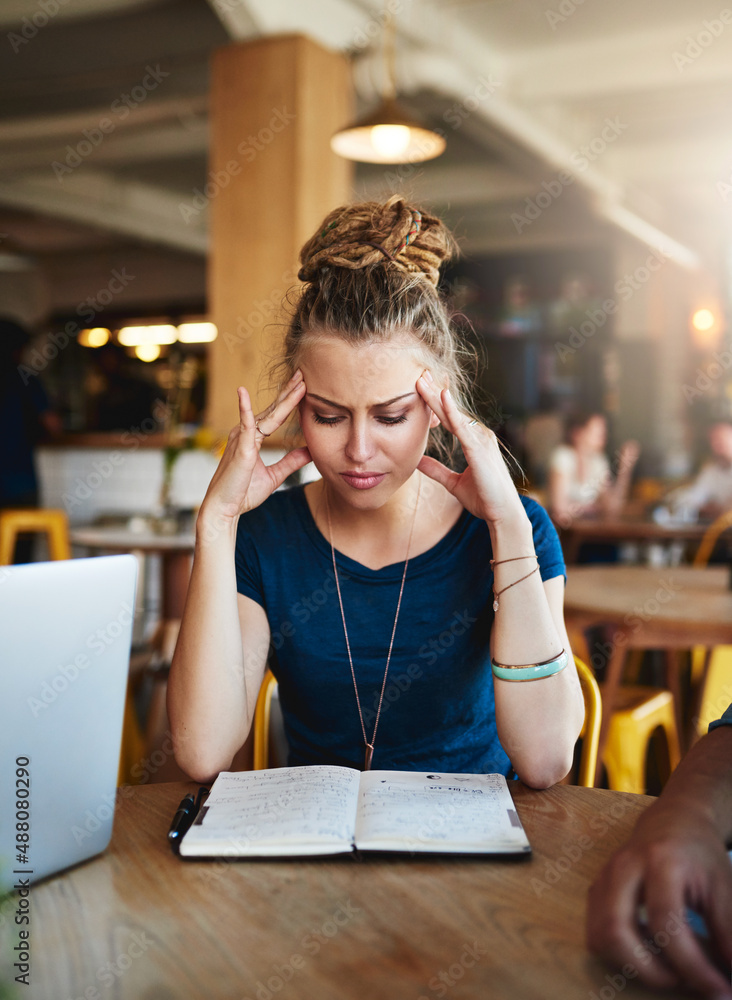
x: 65, y: 634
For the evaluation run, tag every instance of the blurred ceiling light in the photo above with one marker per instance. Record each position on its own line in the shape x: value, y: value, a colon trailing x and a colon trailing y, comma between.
x: 147, y: 352
x: 133, y: 336
x: 706, y: 326
x: 97, y: 336
x: 703, y: 320
x: 389, y: 134
x: 197, y: 333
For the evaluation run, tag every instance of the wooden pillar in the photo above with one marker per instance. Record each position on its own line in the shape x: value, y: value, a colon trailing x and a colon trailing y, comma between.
x: 272, y: 177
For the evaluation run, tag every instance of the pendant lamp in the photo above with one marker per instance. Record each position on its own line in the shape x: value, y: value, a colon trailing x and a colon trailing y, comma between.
x: 389, y: 134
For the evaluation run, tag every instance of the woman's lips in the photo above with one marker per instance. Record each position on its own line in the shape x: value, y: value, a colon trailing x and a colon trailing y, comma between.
x: 363, y: 480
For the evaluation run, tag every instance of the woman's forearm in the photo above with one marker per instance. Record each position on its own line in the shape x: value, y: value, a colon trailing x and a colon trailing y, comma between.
x: 538, y: 721
x: 206, y: 692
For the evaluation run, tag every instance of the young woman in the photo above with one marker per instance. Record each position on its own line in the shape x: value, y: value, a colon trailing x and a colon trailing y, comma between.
x: 580, y: 480
x: 372, y: 590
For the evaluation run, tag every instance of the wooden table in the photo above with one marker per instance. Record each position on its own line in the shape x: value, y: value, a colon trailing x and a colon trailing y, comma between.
x: 625, y: 529
x: 670, y: 609
x: 140, y: 924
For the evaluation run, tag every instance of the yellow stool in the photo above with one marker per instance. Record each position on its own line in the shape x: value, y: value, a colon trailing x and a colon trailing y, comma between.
x: 16, y: 521
x: 715, y: 689
x: 636, y: 714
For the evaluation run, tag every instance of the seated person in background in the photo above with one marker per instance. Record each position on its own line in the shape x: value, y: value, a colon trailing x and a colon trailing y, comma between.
x: 675, y: 858
x: 580, y: 480
x: 711, y: 492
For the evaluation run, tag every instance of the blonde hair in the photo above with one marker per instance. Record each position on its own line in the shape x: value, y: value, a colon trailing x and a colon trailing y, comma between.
x: 370, y: 275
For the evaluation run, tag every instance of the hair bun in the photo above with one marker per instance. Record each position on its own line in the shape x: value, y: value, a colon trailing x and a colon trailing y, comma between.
x: 391, y: 234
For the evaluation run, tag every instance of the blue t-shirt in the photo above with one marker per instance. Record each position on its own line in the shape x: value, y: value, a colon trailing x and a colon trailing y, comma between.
x: 725, y: 720
x: 438, y: 711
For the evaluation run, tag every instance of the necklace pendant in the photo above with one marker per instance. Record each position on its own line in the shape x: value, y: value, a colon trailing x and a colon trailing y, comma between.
x: 495, y: 605
x: 367, y: 758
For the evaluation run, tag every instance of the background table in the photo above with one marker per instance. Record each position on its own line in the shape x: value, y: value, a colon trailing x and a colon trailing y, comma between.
x: 378, y: 928
x: 671, y: 609
x: 625, y: 529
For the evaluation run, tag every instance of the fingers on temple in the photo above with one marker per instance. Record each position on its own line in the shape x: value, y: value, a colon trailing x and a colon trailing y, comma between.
x: 246, y: 417
x: 286, y: 402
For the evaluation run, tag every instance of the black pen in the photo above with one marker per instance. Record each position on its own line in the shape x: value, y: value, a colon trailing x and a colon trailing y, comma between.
x: 184, y: 817
x: 182, y: 820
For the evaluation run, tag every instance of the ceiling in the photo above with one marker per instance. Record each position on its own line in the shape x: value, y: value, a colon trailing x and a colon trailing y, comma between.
x: 104, y: 127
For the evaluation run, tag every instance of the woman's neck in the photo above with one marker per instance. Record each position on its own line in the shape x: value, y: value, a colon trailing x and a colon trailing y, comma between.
x: 390, y: 521
x: 377, y: 538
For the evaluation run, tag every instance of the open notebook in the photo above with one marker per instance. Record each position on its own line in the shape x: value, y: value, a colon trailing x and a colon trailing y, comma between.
x: 332, y: 810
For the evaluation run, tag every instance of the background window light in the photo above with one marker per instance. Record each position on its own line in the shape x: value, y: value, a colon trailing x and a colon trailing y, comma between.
x: 134, y: 336
x: 197, y: 333
x: 97, y: 336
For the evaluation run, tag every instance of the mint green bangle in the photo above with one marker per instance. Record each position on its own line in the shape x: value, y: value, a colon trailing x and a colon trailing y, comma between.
x: 531, y: 671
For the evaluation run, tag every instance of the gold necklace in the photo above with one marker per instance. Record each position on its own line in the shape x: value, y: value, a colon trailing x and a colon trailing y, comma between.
x: 369, y: 746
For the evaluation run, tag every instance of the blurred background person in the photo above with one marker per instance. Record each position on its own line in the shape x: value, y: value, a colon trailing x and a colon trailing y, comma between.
x: 581, y: 483
x: 710, y: 494
x: 25, y: 418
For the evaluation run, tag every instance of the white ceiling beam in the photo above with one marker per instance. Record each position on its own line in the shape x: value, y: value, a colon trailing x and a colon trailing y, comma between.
x: 333, y: 23
x: 13, y: 13
x: 71, y: 123
x: 159, y: 142
x: 623, y: 64
x: 96, y: 199
x: 670, y: 161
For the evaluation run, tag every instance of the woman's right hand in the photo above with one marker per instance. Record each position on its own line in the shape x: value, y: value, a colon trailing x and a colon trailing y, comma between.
x: 242, y: 481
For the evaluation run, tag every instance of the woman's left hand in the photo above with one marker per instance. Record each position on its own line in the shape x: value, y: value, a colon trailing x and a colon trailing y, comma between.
x: 485, y: 488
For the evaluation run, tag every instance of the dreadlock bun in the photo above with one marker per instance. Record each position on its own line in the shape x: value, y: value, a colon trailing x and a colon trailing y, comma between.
x: 371, y: 234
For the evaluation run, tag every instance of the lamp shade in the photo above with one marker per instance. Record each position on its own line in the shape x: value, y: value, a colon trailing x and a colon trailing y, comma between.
x: 387, y: 135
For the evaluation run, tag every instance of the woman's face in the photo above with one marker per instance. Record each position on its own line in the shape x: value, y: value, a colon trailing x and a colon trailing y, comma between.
x: 592, y: 437
x: 364, y: 422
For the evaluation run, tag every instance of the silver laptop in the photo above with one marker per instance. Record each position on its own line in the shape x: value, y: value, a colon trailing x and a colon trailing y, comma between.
x: 65, y: 632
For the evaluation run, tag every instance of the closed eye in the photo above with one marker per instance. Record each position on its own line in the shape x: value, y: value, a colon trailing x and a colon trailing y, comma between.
x: 326, y: 420
x: 331, y: 421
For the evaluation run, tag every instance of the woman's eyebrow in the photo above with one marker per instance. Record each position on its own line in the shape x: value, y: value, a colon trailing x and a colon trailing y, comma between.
x: 340, y: 406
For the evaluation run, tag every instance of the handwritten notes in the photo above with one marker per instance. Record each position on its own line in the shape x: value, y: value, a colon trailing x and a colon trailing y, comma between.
x: 289, y: 810
x: 329, y: 810
x: 401, y: 810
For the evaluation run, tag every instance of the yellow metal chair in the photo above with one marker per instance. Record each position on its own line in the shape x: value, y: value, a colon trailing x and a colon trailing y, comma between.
x: 261, y: 721
x: 590, y: 733
x: 709, y: 540
x: 713, y: 688
x: 636, y: 714
x: 590, y: 730
x: 17, y: 521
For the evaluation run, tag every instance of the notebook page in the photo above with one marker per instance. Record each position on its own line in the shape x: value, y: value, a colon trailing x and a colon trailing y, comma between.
x: 422, y: 811
x: 288, y: 810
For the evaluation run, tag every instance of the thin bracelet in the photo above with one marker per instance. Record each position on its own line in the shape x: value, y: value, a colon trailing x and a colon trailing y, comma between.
x: 497, y: 593
x: 531, y: 671
x: 500, y: 562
